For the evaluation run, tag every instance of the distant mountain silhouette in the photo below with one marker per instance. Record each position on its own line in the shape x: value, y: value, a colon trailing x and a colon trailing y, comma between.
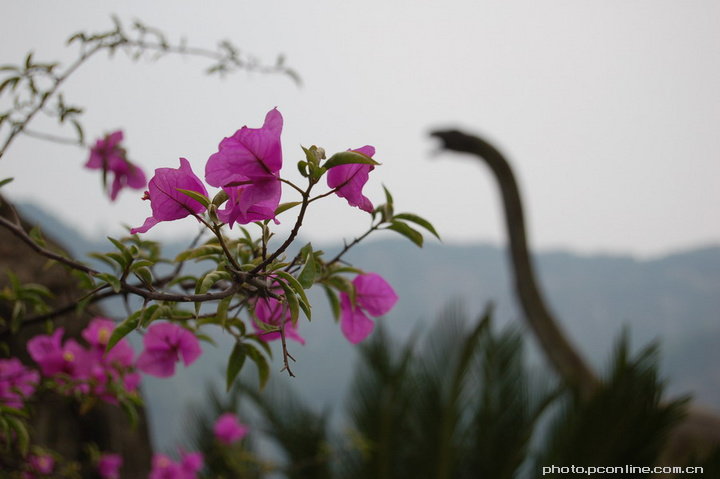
x: 674, y: 300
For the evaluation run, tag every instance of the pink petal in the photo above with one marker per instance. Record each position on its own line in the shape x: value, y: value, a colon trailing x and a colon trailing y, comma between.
x: 354, y: 324
x: 249, y: 154
x: 374, y: 294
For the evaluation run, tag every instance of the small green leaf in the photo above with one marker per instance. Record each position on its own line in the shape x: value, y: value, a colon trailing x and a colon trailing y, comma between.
x: 235, y: 363
x: 203, y: 251
x: 123, y: 329
x: 220, y: 198
x: 5, y: 181
x: 261, y: 362
x: 286, y: 206
x: 143, y: 274
x: 302, y: 168
x: 210, y: 279
x: 298, y: 289
x: 292, y: 300
x: 306, y: 278
x: 334, y: 302
x: 22, y: 438
x: 405, y: 230
x: 17, y: 316
x: 199, y: 197
x: 348, y: 157
x: 418, y: 221
x: 111, y: 280
x: 388, y: 197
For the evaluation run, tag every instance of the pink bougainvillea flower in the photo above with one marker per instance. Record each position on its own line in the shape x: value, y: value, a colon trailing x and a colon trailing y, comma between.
x: 166, y: 201
x: 374, y: 297
x: 250, y: 154
x: 17, y: 382
x: 97, y: 334
x: 228, y: 430
x: 165, y: 468
x: 164, y: 344
x: 255, y: 201
x: 55, y: 357
x: 191, y: 463
x: 41, y: 464
x: 46, y: 351
x: 247, y: 166
x: 109, y: 156
x: 271, y: 311
x: 109, y: 465
x: 349, y: 180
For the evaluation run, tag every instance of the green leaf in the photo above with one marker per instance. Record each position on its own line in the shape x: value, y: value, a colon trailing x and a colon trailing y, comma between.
x: 302, y: 168
x: 286, y: 206
x: 142, y: 263
x: 388, y: 197
x: 119, y: 258
x: 235, y: 363
x: 199, y: 197
x: 418, y: 221
x: 261, y: 362
x: 405, y: 230
x: 143, y: 275
x: 341, y: 283
x: 120, y: 246
x: 123, y: 329
x: 220, y: 198
x: 292, y: 301
x: 5, y: 181
x: 203, y: 251
x: 334, y: 302
x: 210, y: 279
x: 307, y: 275
x: 348, y: 157
x: 22, y: 438
x: 111, y: 280
x: 222, y: 310
x: 298, y: 289
x: 17, y: 316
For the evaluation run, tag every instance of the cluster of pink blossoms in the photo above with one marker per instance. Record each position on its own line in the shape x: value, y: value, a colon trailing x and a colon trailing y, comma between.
x: 17, y: 382
x: 227, y: 431
x: 90, y: 370
x: 86, y: 370
x: 246, y: 166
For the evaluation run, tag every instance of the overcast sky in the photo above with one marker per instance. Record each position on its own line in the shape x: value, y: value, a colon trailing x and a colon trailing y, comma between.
x: 608, y: 110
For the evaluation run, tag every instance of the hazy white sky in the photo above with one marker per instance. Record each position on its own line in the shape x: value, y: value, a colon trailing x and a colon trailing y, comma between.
x: 609, y: 110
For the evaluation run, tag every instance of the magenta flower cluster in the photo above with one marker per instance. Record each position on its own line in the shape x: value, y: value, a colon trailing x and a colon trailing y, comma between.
x: 17, y: 382
x: 247, y: 167
x: 86, y: 370
x: 228, y: 430
x: 107, y: 155
x: 163, y: 467
x: 91, y: 370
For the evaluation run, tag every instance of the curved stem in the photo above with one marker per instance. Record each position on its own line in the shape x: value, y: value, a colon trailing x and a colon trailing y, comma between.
x: 558, y: 349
